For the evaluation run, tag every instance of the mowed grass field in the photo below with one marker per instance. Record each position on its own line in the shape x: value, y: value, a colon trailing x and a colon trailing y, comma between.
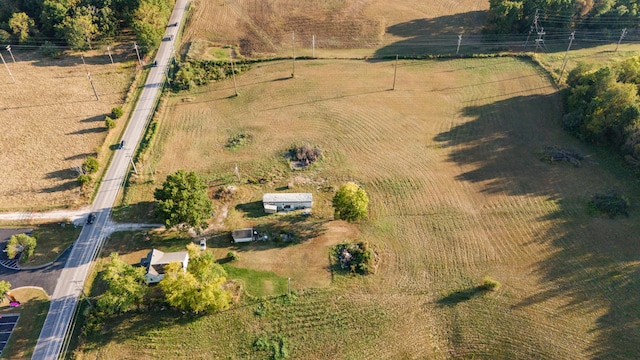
x: 52, y: 121
x: 449, y: 160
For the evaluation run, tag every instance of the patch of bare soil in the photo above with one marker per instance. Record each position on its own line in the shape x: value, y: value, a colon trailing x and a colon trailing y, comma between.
x: 306, y: 263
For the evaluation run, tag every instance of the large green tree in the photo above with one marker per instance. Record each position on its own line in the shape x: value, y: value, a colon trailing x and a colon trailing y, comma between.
x: 149, y: 22
x: 21, y: 243
x: 4, y: 287
x: 199, y: 289
x: 126, y: 286
x: 350, y: 202
x: 22, y: 26
x: 183, y: 201
x: 80, y: 29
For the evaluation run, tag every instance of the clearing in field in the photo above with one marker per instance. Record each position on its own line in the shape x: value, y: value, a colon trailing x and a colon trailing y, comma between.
x: 52, y: 121
x: 457, y: 191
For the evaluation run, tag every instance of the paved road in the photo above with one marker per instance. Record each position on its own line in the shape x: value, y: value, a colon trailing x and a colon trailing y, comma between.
x: 84, y: 251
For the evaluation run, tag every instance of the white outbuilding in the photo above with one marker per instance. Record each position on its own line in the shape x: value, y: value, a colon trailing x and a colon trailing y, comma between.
x: 274, y: 202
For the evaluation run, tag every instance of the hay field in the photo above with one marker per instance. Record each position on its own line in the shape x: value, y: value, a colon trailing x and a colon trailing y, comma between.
x: 264, y: 28
x: 457, y: 193
x: 51, y: 122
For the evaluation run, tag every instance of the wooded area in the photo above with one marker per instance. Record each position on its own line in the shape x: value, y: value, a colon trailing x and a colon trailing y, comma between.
x: 81, y: 24
x: 602, y: 106
x: 513, y: 17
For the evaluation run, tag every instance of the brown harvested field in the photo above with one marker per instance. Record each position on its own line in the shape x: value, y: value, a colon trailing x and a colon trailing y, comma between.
x: 450, y: 162
x: 51, y: 122
x: 263, y: 28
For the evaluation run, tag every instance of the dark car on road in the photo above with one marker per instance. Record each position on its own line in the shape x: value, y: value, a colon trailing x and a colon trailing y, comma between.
x: 121, y: 145
x: 91, y: 218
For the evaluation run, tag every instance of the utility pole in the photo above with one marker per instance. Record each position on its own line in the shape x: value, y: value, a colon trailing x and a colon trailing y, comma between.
x: 233, y: 74
x: 237, y: 172
x: 564, y: 62
x: 135, y: 46
x: 10, y: 53
x: 539, y: 40
x: 84, y: 64
x: 7, y: 66
x: 133, y: 164
x: 624, y: 32
x: 459, y: 41
x: 293, y: 51
x: 110, y: 57
x: 288, y: 286
x: 395, y: 72
x: 313, y: 46
x: 95, y: 92
x: 78, y: 287
x: 534, y: 26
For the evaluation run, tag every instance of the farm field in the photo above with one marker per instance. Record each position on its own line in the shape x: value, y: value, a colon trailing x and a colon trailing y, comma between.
x: 450, y: 162
x: 52, y: 122
x: 341, y: 28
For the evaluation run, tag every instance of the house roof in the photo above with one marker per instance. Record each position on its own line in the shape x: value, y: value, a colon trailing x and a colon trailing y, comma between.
x: 287, y: 197
x: 156, y: 260
x: 242, y: 233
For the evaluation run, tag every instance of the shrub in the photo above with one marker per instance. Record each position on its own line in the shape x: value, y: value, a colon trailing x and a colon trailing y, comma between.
x: 109, y: 123
x: 611, y: 203
x: 90, y: 165
x: 83, y: 180
x: 357, y: 258
x: 488, y: 284
x: 305, y: 153
x: 117, y: 112
x: 238, y: 141
x: 232, y: 255
x: 49, y: 49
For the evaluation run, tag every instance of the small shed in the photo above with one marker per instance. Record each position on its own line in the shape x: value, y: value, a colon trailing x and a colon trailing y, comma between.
x: 242, y: 235
x: 286, y: 201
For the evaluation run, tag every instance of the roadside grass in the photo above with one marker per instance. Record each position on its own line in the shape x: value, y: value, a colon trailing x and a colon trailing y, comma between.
x: 52, y: 240
x: 33, y: 311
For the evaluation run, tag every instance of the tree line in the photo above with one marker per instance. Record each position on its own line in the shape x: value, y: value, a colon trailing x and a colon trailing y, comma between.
x: 81, y: 24
x: 602, y: 106
x: 517, y: 16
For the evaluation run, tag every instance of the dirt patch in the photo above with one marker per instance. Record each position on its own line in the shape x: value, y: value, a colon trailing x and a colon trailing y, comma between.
x: 307, y: 264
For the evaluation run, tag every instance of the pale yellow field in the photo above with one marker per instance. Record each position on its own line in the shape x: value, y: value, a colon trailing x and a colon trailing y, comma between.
x: 342, y: 28
x: 51, y: 122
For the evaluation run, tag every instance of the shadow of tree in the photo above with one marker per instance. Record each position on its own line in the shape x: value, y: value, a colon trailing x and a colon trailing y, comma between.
x: 592, y: 266
x: 460, y: 296
x: 65, y: 174
x: 252, y: 210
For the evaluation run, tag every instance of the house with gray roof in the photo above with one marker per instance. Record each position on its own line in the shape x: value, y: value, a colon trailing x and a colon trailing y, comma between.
x: 156, y: 261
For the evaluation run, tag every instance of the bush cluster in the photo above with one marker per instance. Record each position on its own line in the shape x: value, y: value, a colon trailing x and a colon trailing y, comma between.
x: 305, y: 153
x: 238, y: 140
x: 603, y: 107
x: 611, y: 203
x: 357, y: 258
x: 194, y: 73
